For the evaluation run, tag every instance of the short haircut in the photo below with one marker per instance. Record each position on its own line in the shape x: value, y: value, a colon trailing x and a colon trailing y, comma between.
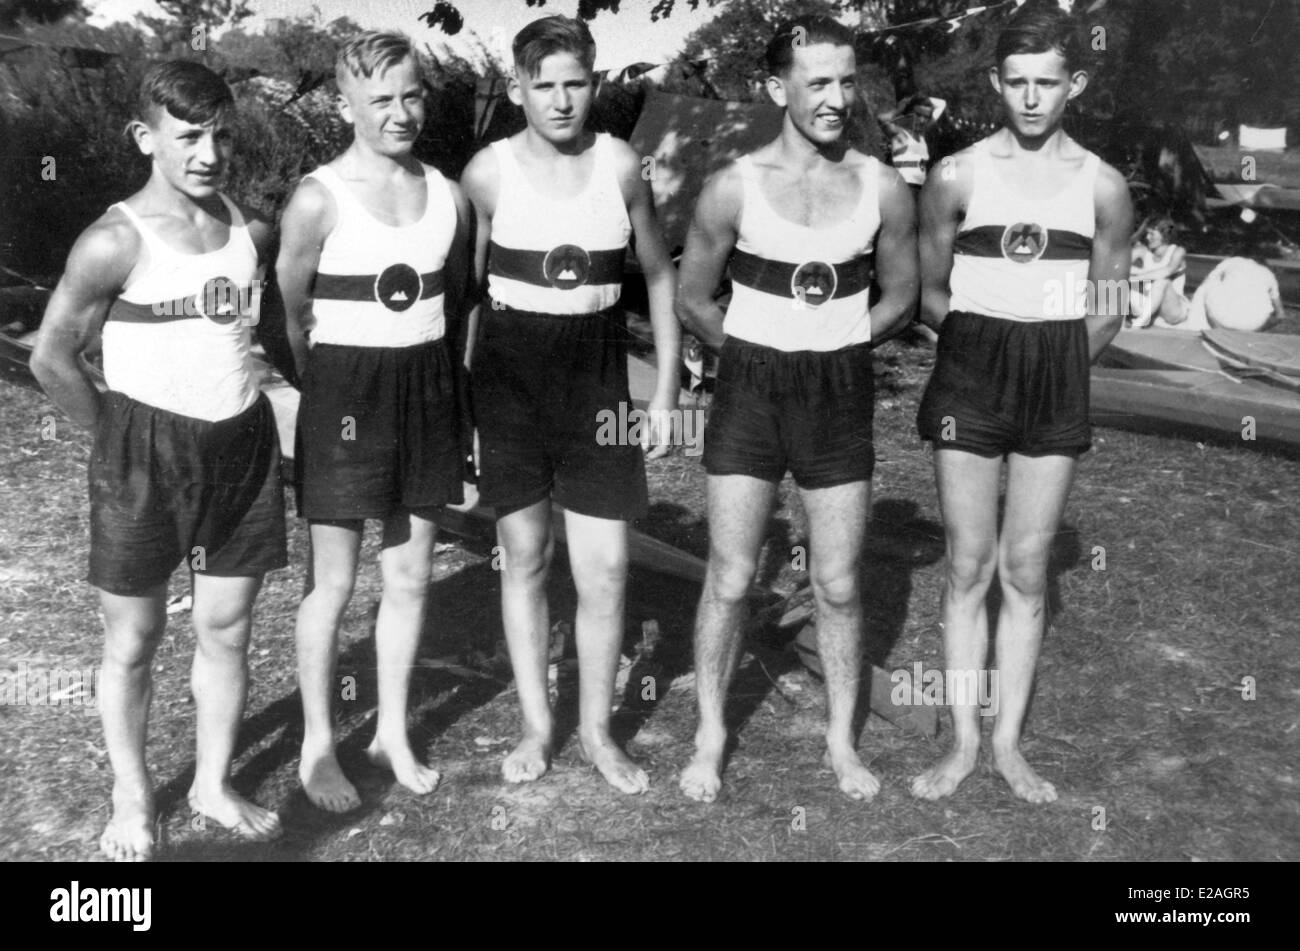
x: 1162, y: 223
x: 807, y: 30
x: 1041, y: 29
x: 188, y: 90
x: 549, y: 35
x: 371, y: 52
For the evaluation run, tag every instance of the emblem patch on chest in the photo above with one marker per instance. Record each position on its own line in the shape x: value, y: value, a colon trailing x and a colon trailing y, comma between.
x: 221, y: 300
x: 1023, y: 242
x: 814, y: 283
x: 398, y: 286
x: 566, y: 266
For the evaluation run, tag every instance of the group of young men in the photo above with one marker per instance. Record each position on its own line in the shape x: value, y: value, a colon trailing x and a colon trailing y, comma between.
x: 396, y: 282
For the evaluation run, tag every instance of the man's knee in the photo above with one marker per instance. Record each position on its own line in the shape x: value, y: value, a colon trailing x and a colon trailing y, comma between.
x: 729, y: 577
x: 835, y: 586
x: 600, y: 574
x: 1022, y: 571
x: 970, y: 569
x: 407, y: 577
x: 527, y: 564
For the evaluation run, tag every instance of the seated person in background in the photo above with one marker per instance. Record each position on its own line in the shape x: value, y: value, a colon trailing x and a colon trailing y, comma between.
x: 1158, y: 276
x: 1239, y: 294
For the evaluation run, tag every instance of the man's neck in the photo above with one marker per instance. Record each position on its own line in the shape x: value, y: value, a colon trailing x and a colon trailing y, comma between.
x: 797, y: 153
x: 369, y: 164
x: 161, y: 197
x: 1047, y: 146
x: 538, y: 146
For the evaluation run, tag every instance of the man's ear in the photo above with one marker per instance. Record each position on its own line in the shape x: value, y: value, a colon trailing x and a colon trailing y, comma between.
x: 513, y: 91
x: 141, y: 135
x: 344, y: 107
x: 1078, y: 83
x: 776, y: 90
x: 995, y: 78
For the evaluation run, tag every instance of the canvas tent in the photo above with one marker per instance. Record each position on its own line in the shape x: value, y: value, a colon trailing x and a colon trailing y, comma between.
x: 689, y: 139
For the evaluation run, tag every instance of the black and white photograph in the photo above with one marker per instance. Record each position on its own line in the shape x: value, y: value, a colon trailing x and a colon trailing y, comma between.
x: 641, y: 431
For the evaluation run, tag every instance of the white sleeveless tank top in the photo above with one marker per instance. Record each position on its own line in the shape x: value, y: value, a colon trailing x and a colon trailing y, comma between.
x: 555, y: 256
x: 177, y: 338
x: 381, y: 285
x: 796, y: 287
x: 1020, y: 258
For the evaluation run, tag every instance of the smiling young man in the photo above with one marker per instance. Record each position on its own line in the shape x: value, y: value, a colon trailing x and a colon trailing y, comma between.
x: 799, y: 223
x: 1008, y: 225
x: 555, y: 207
x: 372, y: 261
x: 185, y: 464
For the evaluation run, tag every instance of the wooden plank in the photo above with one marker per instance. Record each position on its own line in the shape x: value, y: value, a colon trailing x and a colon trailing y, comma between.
x: 1277, y: 352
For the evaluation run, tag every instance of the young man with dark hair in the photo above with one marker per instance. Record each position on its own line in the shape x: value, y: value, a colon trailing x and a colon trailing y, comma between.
x: 186, y: 460
x: 372, y: 264
x: 800, y: 223
x: 1022, y: 218
x: 555, y: 206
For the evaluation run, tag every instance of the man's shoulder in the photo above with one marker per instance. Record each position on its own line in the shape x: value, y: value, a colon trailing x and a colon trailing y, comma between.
x: 482, y: 170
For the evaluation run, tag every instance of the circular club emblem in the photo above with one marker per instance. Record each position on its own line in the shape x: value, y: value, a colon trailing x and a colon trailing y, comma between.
x: 566, y: 267
x: 814, y: 282
x: 220, y: 300
x: 1024, y: 242
x: 398, y: 286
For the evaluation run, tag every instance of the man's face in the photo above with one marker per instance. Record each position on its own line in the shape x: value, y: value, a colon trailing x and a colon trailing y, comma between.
x: 385, y: 109
x: 193, y: 158
x: 818, y: 91
x: 557, y: 99
x: 1035, y: 88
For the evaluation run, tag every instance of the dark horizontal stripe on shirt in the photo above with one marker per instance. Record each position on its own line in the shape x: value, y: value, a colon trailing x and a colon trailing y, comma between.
x: 986, y: 242
x: 528, y: 266
x: 180, y: 308
x: 361, y: 287
x: 776, y: 277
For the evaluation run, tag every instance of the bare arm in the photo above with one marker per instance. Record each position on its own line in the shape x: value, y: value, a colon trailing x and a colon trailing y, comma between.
x: 943, y: 202
x: 480, y: 182
x: 1111, y: 259
x: 897, y: 265
x: 709, y: 243
x: 1164, y: 271
x: 308, y: 220
x: 456, y: 275
x: 661, y: 283
x: 97, y: 269
x: 270, y: 322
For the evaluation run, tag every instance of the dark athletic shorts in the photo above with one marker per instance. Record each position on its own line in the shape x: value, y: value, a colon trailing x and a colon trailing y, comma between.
x: 808, y: 412
x: 1003, y: 386
x: 378, y: 432
x: 540, y: 384
x: 162, y: 484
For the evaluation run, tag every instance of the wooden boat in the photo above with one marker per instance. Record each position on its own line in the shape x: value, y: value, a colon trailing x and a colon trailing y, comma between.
x: 1196, y: 402
x: 1279, y: 353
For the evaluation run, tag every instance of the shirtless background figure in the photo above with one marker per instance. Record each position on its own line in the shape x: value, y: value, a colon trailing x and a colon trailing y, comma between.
x: 186, y: 462
x: 795, y: 385
x: 1005, y: 225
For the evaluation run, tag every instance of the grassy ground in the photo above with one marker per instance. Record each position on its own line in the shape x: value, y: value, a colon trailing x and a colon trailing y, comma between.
x: 1139, y: 708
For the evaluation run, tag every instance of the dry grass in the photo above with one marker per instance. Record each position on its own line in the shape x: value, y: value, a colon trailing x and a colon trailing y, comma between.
x: 1138, y: 707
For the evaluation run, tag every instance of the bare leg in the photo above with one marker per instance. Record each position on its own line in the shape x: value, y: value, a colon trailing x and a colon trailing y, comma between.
x: 598, y: 559
x: 132, y: 629
x: 527, y: 547
x: 223, y: 620
x: 406, y: 560
x: 334, y: 552
x: 837, y: 523
x: 1036, y: 492
x: 968, y: 499
x: 738, y: 510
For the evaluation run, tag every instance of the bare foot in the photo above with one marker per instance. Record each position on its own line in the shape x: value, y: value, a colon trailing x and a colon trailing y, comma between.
x: 232, y: 811
x: 529, y: 760
x: 943, y: 778
x: 702, y: 778
x: 398, y: 759
x: 324, y: 783
x: 856, y: 781
x: 129, y: 835
x: 1024, y: 782
x: 619, y: 771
